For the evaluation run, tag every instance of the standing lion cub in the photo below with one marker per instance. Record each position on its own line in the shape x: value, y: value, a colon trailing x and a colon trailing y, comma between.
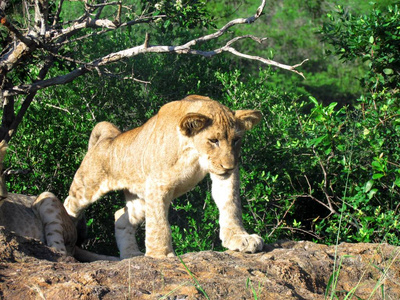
x: 161, y: 160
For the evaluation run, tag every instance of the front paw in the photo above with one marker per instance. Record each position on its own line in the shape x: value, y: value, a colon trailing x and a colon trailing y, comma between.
x: 248, y: 243
x: 160, y: 254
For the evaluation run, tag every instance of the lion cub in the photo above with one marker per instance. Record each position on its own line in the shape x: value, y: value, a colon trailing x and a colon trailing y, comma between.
x: 161, y: 160
x: 43, y: 218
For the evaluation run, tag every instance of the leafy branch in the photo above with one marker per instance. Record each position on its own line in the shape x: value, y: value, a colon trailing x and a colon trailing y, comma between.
x: 50, y: 41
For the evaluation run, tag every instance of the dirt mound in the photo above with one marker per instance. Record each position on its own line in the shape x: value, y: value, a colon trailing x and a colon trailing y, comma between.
x: 287, y: 270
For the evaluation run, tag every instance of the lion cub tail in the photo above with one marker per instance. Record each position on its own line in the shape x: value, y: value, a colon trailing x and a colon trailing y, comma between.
x: 87, y: 256
x: 103, y: 130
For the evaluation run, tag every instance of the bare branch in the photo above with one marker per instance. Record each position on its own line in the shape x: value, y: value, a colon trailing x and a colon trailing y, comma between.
x: 106, y: 26
x: 186, y: 48
x: 228, y: 25
x: 59, y: 108
x: 57, y: 15
x: 281, y: 220
x: 268, y: 61
x: 16, y: 53
x: 103, y: 4
x: 145, y: 48
x: 41, y: 15
x: 27, y: 40
x: 12, y: 128
x: 254, y: 38
x: 129, y: 53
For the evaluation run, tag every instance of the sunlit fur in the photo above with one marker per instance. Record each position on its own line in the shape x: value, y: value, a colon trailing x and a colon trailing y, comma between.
x: 161, y: 160
x: 44, y: 218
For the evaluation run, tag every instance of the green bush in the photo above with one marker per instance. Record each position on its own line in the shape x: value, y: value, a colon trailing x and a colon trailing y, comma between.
x: 307, y: 166
x: 310, y: 170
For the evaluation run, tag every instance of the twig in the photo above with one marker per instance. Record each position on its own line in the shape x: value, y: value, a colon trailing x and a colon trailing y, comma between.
x: 283, y: 217
x: 59, y: 108
x: 302, y: 230
x: 28, y: 41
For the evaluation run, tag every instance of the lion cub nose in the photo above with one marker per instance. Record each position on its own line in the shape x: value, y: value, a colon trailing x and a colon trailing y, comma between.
x: 227, y: 168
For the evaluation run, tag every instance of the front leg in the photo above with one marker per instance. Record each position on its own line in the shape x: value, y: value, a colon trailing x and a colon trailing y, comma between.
x: 225, y: 191
x: 59, y: 231
x: 158, y: 232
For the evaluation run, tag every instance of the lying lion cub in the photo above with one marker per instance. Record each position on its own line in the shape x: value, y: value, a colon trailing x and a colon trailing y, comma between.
x: 161, y: 160
x: 44, y: 218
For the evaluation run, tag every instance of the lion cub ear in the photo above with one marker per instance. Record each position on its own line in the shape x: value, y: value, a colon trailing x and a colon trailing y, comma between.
x: 249, y: 118
x: 193, y: 123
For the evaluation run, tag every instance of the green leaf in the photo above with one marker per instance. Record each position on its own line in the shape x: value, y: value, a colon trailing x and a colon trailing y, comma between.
x: 368, y: 186
x: 166, y: 24
x: 377, y: 176
x: 318, y: 140
x: 388, y: 71
x: 371, y: 39
x: 377, y: 165
x: 328, y: 151
x: 372, y: 193
x: 397, y: 182
x: 313, y: 100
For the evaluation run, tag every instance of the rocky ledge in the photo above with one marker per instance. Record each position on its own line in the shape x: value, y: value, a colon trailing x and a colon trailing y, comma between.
x: 285, y: 270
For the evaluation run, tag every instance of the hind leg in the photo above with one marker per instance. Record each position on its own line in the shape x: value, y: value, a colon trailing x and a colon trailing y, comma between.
x: 90, y: 182
x: 127, y: 220
x: 59, y: 233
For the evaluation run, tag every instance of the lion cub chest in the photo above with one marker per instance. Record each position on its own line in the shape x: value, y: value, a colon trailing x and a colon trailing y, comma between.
x: 189, y: 179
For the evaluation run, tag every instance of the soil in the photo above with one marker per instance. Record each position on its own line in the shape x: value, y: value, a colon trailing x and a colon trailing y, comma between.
x: 284, y: 270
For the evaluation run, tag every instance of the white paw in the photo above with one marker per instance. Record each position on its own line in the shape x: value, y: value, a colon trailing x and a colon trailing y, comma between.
x: 248, y: 243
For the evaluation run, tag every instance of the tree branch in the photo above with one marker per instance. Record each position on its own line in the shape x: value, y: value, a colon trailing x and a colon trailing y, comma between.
x: 12, y: 128
x: 41, y: 16
x: 129, y: 53
x: 58, y: 13
x: 145, y: 48
x: 19, y: 49
x: 186, y: 48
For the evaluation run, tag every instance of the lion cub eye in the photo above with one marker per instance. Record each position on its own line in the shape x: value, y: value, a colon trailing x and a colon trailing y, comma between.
x: 214, y: 141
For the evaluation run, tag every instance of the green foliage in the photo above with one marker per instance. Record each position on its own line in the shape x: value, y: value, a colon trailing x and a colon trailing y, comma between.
x: 311, y: 169
x: 292, y: 31
x: 375, y: 38
x: 250, y: 286
x: 189, y: 14
x: 308, y: 163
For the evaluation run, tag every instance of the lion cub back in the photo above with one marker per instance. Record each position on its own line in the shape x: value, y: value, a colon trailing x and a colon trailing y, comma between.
x: 17, y: 215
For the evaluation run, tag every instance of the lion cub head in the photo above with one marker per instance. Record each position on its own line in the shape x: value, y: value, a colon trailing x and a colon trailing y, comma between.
x: 216, y: 132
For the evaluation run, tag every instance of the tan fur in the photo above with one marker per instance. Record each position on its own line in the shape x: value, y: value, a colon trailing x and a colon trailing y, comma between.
x: 43, y: 218
x: 161, y: 160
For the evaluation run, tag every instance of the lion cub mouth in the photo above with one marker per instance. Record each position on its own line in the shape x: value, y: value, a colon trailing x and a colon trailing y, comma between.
x: 222, y: 172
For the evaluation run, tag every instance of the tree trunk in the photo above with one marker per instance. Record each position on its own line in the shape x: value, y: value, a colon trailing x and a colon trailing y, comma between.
x: 3, y: 151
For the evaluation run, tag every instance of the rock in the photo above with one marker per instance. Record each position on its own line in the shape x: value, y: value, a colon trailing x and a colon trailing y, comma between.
x: 285, y: 270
